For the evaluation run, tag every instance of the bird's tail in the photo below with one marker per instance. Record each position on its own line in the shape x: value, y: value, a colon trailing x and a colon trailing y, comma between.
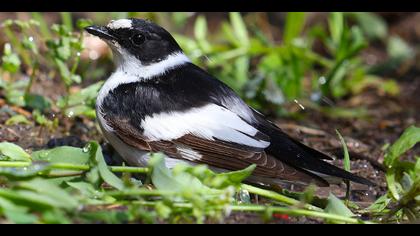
x: 305, y: 158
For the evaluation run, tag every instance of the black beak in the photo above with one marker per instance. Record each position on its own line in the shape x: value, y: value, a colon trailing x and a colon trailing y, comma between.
x: 100, y: 31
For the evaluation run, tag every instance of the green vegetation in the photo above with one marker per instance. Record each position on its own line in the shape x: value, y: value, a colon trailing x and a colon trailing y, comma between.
x: 68, y: 184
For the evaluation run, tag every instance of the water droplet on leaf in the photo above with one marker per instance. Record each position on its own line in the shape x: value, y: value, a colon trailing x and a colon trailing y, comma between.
x: 87, y: 148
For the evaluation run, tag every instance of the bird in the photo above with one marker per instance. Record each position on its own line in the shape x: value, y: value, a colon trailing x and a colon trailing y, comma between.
x: 158, y: 100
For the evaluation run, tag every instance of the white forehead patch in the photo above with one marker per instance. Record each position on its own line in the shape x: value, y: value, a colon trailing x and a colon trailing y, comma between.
x: 118, y: 24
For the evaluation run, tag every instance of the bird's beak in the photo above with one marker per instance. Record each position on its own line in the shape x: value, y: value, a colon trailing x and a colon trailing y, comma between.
x: 100, y: 31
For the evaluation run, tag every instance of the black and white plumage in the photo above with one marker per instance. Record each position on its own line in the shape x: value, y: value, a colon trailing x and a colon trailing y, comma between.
x: 158, y: 101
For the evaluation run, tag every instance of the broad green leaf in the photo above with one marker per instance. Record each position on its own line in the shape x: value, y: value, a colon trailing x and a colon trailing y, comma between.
x: 336, y: 206
x: 89, y: 193
x: 56, y: 195
x: 62, y: 154
x: 14, y: 152
x: 34, y: 199
x: 164, y: 179
x: 295, y: 21
x: 97, y: 158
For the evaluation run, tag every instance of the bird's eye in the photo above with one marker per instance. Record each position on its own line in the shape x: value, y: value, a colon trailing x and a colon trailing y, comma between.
x: 137, y: 39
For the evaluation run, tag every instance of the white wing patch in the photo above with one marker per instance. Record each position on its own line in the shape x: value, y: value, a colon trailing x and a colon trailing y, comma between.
x: 209, y: 122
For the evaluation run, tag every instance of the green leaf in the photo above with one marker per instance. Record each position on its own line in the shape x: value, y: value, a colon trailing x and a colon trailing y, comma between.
x: 200, y: 32
x: 15, y: 213
x: 336, y: 206
x: 97, y: 159
x: 239, y: 28
x: 295, y: 21
x: 408, y: 139
x: 163, y: 210
x: 336, y: 26
x: 51, y: 193
x: 64, y: 71
x: 64, y: 154
x: 164, y: 179
x: 379, y: 205
x: 200, y: 28
x: 41, y: 119
x: 86, y: 95
x: 18, y: 119
x: 24, y: 173
x: 81, y: 110
x: 38, y: 102
x: 398, y: 49
x: 30, y: 45
x: 82, y: 23
x: 67, y: 20
x: 14, y: 152
x: 10, y: 60
x: 55, y: 216
x: 236, y: 177
x: 346, y: 152
x: 373, y: 26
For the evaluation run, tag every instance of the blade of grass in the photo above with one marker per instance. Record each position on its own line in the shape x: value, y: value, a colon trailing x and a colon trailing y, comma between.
x: 67, y: 20
x: 43, y: 26
x: 346, y: 163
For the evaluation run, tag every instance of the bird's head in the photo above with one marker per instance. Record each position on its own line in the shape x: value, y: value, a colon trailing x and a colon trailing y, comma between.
x: 137, y: 41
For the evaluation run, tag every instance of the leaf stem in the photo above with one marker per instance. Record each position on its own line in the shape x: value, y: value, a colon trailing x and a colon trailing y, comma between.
x: 70, y: 166
x: 274, y: 209
x: 276, y: 196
